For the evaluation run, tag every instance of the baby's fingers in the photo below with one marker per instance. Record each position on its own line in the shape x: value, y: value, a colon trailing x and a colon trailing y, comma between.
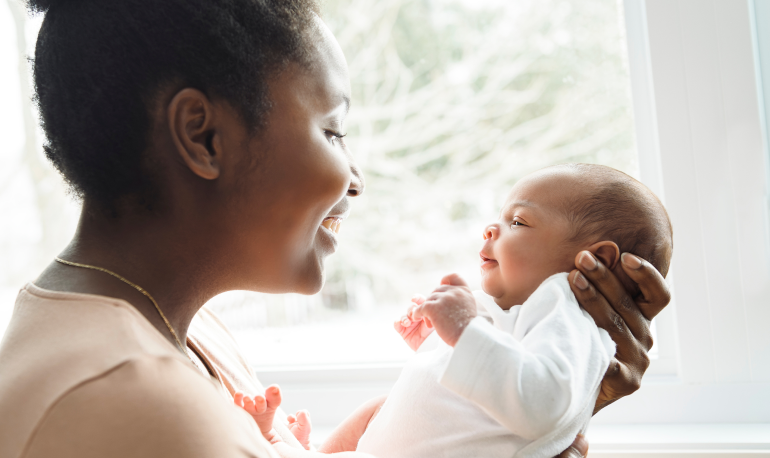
x: 419, y: 314
x: 255, y: 406
x: 405, y: 322
x: 303, y: 418
x: 273, y: 396
x: 238, y: 398
x: 418, y: 299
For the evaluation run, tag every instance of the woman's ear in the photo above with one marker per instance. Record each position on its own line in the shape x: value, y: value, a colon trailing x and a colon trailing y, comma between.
x: 191, y: 124
x: 607, y: 252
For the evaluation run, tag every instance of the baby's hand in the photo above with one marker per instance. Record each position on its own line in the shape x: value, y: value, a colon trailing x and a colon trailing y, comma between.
x: 414, y: 331
x: 299, y: 425
x: 450, y: 308
x: 262, y: 409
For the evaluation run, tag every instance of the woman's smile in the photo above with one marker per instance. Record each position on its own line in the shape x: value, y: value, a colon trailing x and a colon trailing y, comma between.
x: 335, y: 217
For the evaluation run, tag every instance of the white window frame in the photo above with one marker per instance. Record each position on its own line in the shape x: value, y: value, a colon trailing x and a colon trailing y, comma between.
x: 703, y: 149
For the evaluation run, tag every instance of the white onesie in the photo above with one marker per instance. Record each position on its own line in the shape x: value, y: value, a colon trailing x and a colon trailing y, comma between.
x: 522, y: 386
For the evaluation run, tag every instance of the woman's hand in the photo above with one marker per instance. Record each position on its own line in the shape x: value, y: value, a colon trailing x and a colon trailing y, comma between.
x: 578, y: 449
x: 625, y: 318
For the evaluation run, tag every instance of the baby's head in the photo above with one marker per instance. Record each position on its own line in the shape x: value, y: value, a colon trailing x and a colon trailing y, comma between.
x: 553, y: 214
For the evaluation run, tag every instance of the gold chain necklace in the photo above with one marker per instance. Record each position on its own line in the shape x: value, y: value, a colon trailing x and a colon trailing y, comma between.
x: 136, y: 287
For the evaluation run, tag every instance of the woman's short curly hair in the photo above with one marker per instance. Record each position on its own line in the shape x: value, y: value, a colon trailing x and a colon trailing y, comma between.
x: 99, y: 66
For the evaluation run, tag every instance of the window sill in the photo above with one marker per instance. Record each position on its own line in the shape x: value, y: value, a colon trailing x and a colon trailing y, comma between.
x: 680, y: 440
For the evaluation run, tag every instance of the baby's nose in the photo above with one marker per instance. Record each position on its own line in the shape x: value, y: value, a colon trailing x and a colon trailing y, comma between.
x: 490, y: 232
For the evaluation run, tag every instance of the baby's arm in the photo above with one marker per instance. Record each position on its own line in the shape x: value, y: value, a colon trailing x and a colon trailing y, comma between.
x: 345, y: 437
x: 532, y: 385
x: 263, y: 408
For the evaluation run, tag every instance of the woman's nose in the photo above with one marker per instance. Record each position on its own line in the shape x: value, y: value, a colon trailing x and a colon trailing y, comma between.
x: 357, y: 184
x: 491, y: 232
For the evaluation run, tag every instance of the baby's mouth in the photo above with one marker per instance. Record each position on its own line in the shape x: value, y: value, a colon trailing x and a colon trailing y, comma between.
x: 333, y: 223
x: 485, y: 261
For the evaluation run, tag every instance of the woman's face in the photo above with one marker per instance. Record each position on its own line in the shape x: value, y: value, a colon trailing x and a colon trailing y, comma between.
x: 293, y: 183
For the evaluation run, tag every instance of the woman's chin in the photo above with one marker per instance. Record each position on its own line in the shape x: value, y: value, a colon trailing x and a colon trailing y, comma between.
x: 312, y: 277
x: 310, y: 288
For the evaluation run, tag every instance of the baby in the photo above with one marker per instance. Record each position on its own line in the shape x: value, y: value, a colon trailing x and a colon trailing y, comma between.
x: 522, y: 377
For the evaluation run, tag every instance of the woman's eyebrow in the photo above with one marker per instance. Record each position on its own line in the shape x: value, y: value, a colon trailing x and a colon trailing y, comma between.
x: 346, y: 101
x: 342, y: 105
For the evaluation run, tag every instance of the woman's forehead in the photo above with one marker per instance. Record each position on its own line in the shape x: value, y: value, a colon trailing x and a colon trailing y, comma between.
x: 328, y: 60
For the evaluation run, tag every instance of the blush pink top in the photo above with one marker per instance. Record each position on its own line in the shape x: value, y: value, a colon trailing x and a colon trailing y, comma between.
x: 88, y: 376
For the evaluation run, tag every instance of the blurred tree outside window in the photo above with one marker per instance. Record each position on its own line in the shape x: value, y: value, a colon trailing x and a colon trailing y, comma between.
x: 453, y: 102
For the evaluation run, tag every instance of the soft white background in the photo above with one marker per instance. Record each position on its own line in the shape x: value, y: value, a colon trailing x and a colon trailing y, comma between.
x: 455, y: 100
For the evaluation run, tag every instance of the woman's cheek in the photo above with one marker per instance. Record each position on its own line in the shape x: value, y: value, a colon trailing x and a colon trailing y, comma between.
x: 338, y: 176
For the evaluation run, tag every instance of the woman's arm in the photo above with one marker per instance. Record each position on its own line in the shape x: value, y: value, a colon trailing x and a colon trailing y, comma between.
x: 625, y: 318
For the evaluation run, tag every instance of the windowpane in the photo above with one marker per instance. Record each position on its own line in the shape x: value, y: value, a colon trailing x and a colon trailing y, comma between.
x: 453, y: 102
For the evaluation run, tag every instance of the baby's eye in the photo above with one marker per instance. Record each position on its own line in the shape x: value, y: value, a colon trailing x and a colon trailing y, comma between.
x: 517, y: 223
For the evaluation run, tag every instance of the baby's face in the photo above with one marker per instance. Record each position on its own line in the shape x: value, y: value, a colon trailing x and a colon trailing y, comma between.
x: 528, y: 242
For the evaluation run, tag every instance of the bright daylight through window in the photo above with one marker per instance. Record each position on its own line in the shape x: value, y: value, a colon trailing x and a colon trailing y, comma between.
x: 453, y: 102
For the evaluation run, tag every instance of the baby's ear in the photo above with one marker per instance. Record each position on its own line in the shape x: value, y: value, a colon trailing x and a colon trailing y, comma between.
x: 607, y: 252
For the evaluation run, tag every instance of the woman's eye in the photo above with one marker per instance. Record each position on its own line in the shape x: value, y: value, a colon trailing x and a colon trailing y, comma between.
x: 334, y: 137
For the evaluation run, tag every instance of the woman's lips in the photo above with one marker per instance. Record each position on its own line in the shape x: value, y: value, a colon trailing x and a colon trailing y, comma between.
x: 339, y: 212
x: 333, y: 223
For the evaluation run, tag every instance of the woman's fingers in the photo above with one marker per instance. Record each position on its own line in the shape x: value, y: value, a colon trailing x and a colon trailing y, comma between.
x: 604, y: 288
x: 620, y: 380
x: 598, y: 307
x: 578, y: 449
x: 630, y: 348
x: 655, y: 292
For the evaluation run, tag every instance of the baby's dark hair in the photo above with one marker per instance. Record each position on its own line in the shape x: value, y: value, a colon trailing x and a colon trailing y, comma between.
x: 620, y: 209
x: 100, y: 65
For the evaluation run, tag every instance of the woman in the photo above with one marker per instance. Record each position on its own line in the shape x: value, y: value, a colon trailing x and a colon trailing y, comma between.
x: 205, y: 140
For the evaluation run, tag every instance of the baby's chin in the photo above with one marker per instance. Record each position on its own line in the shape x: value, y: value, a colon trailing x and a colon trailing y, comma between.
x: 490, y: 287
x: 503, y: 298
x: 494, y: 290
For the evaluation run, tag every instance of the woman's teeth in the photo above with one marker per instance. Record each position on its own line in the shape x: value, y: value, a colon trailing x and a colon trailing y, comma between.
x: 333, y: 224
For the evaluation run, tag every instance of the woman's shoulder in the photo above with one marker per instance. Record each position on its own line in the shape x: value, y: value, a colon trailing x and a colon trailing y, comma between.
x: 149, y: 406
x: 56, y: 342
x: 76, y: 334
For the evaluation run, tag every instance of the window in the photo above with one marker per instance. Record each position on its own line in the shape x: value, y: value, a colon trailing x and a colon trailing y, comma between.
x: 38, y: 218
x: 453, y: 102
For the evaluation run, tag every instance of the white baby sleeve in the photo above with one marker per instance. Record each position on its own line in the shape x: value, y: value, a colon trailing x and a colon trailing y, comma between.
x: 539, y: 379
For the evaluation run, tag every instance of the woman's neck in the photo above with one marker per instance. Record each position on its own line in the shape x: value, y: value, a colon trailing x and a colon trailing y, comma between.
x: 162, y: 258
